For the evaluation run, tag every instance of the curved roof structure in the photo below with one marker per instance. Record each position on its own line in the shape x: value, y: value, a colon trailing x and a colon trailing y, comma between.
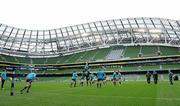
x: 24, y: 42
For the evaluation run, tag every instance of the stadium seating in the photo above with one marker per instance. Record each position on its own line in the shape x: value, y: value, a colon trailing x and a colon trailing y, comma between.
x: 52, y: 60
x: 64, y: 59
x: 114, y: 54
x: 88, y: 56
x: 38, y: 60
x: 2, y: 58
x: 24, y: 60
x: 101, y: 54
x: 9, y: 58
x: 76, y: 57
x: 131, y: 52
x: 169, y: 51
x: 111, y: 53
x: 149, y: 51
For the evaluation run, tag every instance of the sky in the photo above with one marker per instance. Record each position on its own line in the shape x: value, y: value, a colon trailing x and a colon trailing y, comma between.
x: 50, y: 14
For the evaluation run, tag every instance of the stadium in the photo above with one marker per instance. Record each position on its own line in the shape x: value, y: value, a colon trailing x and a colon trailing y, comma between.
x: 132, y: 46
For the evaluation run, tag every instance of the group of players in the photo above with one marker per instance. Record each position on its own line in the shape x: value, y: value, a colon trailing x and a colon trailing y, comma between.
x: 89, y: 77
x: 155, y: 77
x: 29, y: 79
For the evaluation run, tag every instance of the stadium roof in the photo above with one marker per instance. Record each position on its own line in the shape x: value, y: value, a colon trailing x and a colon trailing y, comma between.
x: 24, y: 42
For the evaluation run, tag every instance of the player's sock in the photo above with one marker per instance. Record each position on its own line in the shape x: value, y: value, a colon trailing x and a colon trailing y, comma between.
x: 100, y: 85
x: 28, y: 89
x: 81, y: 83
x: 21, y: 91
x: 24, y: 88
x: 2, y: 84
x: 75, y: 84
x: 114, y: 83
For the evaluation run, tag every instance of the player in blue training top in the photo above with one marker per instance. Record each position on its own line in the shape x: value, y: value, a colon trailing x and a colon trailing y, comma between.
x: 114, y: 77
x: 100, y: 74
x: 118, y: 77
x: 104, y: 79
x: 82, y: 78
x: 87, y: 73
x: 91, y: 78
x: 3, y: 78
x: 74, y: 78
x: 29, y: 79
x: 86, y: 66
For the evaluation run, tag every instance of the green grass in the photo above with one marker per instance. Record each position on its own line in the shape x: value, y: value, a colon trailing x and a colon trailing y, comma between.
x: 47, y: 93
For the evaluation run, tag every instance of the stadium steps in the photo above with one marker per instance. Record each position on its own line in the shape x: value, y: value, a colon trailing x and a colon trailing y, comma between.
x: 81, y: 57
x: 114, y: 54
x: 93, y: 58
x: 101, y: 54
x: 46, y: 61
x: 68, y: 59
x: 65, y: 59
x: 16, y: 59
x: 59, y: 60
x: 122, y: 55
x: 75, y: 57
x: 89, y: 55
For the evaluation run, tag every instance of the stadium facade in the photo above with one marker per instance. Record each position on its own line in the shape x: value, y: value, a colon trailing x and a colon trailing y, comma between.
x: 60, y: 41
